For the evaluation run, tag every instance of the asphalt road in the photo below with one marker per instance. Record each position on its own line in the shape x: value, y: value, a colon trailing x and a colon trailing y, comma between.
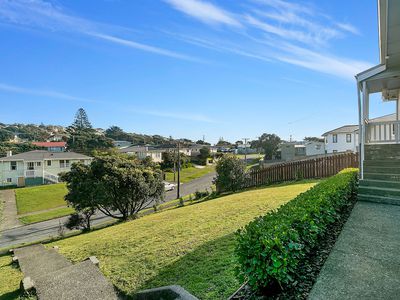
x: 47, y: 229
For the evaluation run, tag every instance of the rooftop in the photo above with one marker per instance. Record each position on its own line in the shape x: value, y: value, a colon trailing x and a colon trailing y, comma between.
x: 343, y: 129
x: 50, y: 144
x: 44, y: 155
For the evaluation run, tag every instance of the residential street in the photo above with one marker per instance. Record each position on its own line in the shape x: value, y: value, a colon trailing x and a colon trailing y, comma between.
x: 43, y: 230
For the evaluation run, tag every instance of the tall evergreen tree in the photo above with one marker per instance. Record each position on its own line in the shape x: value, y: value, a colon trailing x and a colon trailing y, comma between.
x: 81, y: 120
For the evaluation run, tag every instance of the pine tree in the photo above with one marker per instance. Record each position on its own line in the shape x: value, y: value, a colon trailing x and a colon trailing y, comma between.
x: 81, y: 120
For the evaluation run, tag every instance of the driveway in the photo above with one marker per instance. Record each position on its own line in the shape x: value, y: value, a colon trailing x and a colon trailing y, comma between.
x: 43, y: 230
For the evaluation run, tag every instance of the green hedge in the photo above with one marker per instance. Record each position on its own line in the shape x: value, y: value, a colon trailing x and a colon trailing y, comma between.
x: 270, y: 248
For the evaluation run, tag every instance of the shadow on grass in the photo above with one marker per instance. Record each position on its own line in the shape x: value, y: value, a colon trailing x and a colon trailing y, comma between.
x: 208, y: 272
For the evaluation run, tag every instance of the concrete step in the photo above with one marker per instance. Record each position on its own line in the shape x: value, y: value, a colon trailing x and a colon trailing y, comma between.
x: 379, y: 183
x: 80, y: 281
x: 384, y: 170
x: 382, y: 176
x: 27, y: 251
x: 42, y: 263
x: 378, y: 191
x: 379, y: 199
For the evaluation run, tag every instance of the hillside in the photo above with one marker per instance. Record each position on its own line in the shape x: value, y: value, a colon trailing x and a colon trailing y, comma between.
x: 191, y: 246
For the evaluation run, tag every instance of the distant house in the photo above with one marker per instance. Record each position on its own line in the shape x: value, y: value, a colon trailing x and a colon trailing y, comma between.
x: 52, y: 146
x: 37, y: 167
x: 122, y: 144
x: 56, y: 137
x: 314, y: 148
x: 292, y: 150
x: 342, y: 139
x: 142, y: 152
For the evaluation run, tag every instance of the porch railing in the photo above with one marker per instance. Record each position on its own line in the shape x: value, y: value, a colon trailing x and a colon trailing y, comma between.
x: 383, y: 132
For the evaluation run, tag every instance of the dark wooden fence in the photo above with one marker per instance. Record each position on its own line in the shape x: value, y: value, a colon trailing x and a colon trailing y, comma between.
x: 303, y: 169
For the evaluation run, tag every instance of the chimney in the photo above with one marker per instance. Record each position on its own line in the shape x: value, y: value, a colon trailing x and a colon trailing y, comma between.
x: 9, y: 153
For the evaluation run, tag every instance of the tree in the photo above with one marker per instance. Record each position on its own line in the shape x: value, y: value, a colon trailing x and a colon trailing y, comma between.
x: 269, y: 143
x: 170, y: 160
x: 201, y: 142
x: 81, y: 195
x: 83, y: 138
x: 231, y: 174
x: 81, y: 120
x: 313, y: 139
x: 204, y: 155
x: 116, y: 133
x: 115, y: 185
x: 5, y: 135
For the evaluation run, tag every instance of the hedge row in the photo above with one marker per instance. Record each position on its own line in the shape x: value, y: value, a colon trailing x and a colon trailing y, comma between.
x: 270, y: 248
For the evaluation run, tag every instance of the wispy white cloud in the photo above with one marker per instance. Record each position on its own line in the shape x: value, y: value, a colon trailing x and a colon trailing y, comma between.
x: 329, y: 64
x: 175, y: 115
x: 43, y: 93
x: 44, y: 15
x: 205, y: 12
x: 349, y: 28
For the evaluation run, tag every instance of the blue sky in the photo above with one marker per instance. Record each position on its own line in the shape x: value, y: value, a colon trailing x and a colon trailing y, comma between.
x: 188, y: 68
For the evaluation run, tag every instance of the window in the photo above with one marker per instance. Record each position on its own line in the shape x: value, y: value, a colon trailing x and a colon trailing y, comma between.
x: 9, y: 180
x: 334, y: 151
x: 348, y: 138
x: 334, y: 138
x: 49, y: 163
x: 13, y: 166
x: 64, y: 163
x: 39, y: 163
x: 31, y: 165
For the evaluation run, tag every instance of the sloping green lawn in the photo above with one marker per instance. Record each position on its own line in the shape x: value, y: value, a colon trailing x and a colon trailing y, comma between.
x: 189, y: 174
x: 10, y: 278
x: 192, y: 246
x: 37, y: 198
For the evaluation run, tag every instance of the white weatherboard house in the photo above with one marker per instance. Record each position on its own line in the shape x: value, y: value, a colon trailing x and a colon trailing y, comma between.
x: 141, y: 152
x: 342, y: 139
x: 380, y: 140
x: 37, y: 167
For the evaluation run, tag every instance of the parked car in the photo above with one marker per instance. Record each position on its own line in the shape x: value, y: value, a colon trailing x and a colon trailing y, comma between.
x: 168, y: 186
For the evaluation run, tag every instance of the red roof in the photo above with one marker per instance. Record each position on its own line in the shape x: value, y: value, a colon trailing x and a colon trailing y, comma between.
x: 50, y: 144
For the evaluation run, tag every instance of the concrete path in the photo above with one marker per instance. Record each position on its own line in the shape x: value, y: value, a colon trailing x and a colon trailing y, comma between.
x: 9, y: 213
x: 55, y: 277
x: 40, y: 231
x: 365, y: 261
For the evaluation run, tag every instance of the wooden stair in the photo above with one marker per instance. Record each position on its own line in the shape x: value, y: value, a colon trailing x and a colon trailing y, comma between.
x: 381, y: 181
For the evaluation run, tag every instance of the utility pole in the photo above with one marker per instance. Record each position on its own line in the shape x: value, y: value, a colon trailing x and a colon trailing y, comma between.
x: 245, y: 149
x: 178, y: 189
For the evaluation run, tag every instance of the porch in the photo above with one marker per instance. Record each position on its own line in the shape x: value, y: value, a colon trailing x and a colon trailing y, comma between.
x: 380, y: 137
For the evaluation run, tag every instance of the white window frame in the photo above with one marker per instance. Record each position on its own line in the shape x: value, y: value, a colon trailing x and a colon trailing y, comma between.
x: 9, y: 180
x: 334, y: 138
x: 348, y: 137
x: 13, y: 167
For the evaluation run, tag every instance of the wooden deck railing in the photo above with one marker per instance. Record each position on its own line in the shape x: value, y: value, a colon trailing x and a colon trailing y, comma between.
x: 303, y: 169
x: 383, y: 132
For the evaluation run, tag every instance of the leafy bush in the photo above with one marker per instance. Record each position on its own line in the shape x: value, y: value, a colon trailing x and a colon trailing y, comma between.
x: 270, y: 248
x: 198, y: 195
x: 231, y: 174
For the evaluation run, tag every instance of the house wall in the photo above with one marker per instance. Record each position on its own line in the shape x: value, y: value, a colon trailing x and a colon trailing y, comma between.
x: 315, y: 148
x: 36, y: 176
x: 342, y: 145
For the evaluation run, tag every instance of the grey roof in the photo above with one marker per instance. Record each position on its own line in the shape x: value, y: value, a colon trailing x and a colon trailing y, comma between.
x: 386, y: 118
x: 343, y: 129
x: 44, y: 155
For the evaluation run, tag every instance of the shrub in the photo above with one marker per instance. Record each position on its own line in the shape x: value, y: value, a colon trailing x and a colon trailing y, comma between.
x: 231, y: 174
x: 270, y: 248
x: 198, y: 195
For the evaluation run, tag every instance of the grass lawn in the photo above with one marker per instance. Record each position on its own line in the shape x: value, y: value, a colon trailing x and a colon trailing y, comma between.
x: 10, y: 277
x: 48, y: 215
x: 192, y: 246
x: 189, y: 174
x: 31, y: 199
